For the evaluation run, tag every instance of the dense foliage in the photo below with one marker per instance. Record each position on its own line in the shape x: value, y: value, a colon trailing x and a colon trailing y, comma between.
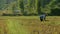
x: 30, y: 7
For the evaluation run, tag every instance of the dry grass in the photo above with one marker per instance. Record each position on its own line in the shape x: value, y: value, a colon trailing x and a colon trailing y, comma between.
x: 29, y: 25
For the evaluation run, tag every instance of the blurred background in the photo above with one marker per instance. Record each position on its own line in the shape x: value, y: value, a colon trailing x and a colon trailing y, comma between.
x: 29, y: 7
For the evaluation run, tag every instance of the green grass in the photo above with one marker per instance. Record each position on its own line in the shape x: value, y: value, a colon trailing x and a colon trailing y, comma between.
x: 29, y: 25
x: 15, y: 28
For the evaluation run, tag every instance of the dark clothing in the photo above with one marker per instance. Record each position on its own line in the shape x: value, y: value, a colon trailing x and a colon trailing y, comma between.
x: 43, y: 17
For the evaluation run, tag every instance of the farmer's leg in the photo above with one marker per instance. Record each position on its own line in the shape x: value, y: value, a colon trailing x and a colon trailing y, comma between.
x: 41, y: 19
x: 45, y: 19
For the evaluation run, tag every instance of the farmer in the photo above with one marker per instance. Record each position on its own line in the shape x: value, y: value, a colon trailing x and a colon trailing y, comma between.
x: 43, y: 17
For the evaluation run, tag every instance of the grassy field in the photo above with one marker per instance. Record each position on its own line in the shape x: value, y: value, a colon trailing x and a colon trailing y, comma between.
x: 29, y: 25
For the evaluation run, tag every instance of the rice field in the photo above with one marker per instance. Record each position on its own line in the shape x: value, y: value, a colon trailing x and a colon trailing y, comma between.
x: 29, y: 25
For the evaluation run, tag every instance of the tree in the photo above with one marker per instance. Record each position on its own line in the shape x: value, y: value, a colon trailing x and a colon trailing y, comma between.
x: 39, y: 6
x: 21, y: 6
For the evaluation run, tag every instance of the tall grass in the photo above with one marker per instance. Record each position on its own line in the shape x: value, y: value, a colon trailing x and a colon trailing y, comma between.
x: 15, y: 28
x: 30, y: 25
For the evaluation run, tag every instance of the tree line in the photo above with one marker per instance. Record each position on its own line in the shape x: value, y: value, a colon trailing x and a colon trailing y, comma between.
x: 33, y: 7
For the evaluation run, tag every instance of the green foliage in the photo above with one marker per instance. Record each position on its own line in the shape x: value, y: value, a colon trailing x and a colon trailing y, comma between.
x: 29, y: 7
x: 21, y: 6
x: 55, y: 12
